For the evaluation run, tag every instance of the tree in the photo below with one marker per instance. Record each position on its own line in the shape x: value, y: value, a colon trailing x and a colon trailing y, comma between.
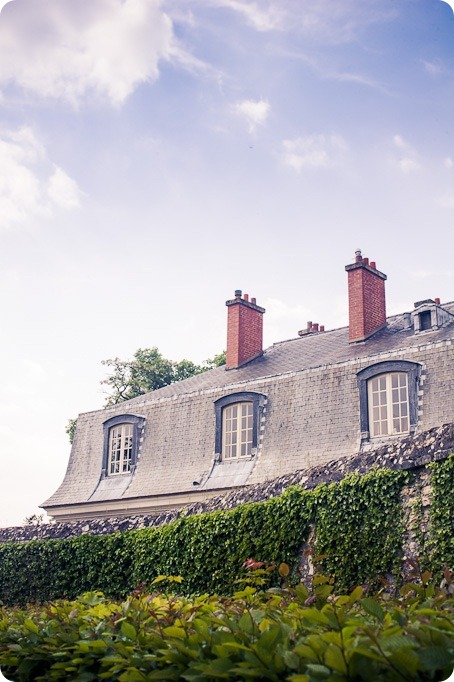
x: 149, y: 370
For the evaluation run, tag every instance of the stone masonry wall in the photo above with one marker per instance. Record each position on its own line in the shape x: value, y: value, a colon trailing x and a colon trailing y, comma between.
x: 412, y: 453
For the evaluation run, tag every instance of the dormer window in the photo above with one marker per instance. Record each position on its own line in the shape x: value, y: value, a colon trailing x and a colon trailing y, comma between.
x: 388, y: 398
x: 429, y: 315
x: 238, y: 418
x: 425, y: 320
x: 122, y: 436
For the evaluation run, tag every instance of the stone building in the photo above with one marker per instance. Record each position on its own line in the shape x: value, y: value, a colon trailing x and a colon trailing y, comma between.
x: 298, y: 404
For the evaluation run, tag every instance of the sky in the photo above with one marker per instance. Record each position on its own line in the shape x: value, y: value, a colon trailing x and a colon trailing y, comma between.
x: 157, y: 155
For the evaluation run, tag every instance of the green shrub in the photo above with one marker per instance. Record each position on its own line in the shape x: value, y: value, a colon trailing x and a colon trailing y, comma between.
x: 279, y: 634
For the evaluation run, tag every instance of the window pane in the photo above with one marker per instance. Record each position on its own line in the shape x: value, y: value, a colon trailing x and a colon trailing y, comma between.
x: 237, y: 425
x: 388, y: 404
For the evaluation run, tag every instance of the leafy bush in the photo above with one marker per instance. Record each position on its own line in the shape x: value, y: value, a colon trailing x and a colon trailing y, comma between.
x: 282, y: 633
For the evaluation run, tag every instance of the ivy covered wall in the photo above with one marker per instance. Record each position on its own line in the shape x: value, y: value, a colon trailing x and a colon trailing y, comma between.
x: 357, y: 523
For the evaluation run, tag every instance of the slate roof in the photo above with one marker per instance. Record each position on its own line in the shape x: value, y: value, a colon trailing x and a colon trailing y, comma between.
x: 308, y: 352
x: 170, y: 467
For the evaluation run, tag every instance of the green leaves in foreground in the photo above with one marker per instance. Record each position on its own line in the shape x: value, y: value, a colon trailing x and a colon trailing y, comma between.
x: 279, y: 634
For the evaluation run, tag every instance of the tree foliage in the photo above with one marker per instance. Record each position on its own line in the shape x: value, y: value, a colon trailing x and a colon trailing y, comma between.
x: 147, y: 371
x: 71, y: 429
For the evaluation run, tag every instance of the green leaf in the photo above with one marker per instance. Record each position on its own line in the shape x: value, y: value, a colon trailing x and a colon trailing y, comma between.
x: 174, y: 631
x: 128, y: 630
x: 292, y: 660
x: 372, y: 607
x: 132, y: 675
x: 335, y: 660
x: 436, y: 658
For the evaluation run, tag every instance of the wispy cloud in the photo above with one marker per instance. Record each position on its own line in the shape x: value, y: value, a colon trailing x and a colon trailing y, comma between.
x: 407, y: 160
x: 64, y: 49
x: 323, y: 20
x: 30, y: 185
x: 313, y: 151
x: 254, y: 112
x: 339, y: 22
x: 261, y: 17
x: 434, y: 68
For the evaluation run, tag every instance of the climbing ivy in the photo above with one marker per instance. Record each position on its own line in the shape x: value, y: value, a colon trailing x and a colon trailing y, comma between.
x: 358, y: 525
x: 441, y: 544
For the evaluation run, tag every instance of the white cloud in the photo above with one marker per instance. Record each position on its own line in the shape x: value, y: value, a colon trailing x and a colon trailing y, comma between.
x: 262, y: 19
x: 30, y: 186
x: 314, y: 151
x: 323, y: 20
x: 433, y: 68
x: 408, y: 159
x: 337, y: 22
x: 64, y: 49
x: 255, y: 112
x: 63, y: 190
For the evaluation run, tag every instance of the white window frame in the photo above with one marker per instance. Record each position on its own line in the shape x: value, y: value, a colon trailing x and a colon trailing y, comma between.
x: 121, y: 441
x: 389, y: 405
x: 237, y: 430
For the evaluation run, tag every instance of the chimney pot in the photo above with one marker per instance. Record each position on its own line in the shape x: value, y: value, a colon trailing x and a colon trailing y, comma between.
x: 366, y: 261
x: 373, y: 264
x: 246, y: 297
x: 322, y: 327
x: 316, y: 326
x: 358, y: 257
x: 238, y: 293
x: 253, y: 301
x: 309, y: 325
x: 437, y: 301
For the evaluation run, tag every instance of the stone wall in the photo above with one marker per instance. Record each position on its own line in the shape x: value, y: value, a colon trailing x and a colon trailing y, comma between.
x: 412, y: 453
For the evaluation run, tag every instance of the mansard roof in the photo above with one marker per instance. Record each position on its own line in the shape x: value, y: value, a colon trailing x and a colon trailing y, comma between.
x: 308, y: 352
x: 178, y: 443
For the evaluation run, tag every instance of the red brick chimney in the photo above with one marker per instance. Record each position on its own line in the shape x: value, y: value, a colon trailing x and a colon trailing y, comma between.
x: 244, y: 330
x: 366, y: 298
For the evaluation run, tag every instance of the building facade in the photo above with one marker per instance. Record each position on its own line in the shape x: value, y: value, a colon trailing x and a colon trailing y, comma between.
x: 266, y: 413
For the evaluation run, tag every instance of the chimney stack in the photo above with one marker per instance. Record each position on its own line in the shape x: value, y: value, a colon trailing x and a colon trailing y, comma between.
x: 366, y: 298
x: 244, y: 330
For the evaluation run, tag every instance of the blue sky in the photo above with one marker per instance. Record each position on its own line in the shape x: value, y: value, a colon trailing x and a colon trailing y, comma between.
x: 156, y: 156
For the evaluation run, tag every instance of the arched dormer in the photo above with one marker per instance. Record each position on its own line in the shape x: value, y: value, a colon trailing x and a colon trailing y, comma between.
x: 388, y: 397
x: 238, y: 417
x: 122, y: 435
